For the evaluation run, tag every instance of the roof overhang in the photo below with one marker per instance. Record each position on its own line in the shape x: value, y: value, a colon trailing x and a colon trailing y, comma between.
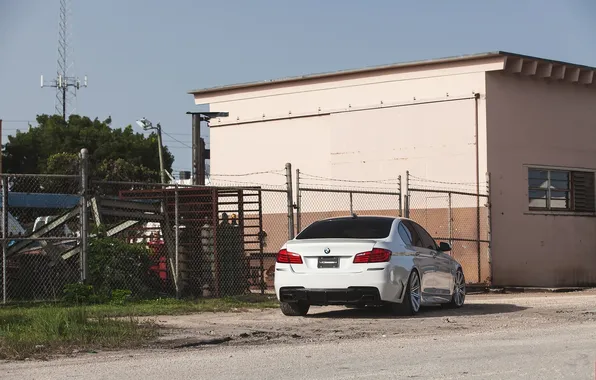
x: 548, y: 69
x: 514, y: 63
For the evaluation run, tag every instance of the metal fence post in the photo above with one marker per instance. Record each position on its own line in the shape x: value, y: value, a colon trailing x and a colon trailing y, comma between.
x: 400, y: 195
x: 177, y: 240
x: 4, y: 234
x: 290, y: 201
x: 298, y: 203
x: 262, y: 281
x: 489, y: 225
x: 407, y: 196
x: 450, y: 216
x: 351, y: 203
x: 83, y: 213
x: 479, y: 252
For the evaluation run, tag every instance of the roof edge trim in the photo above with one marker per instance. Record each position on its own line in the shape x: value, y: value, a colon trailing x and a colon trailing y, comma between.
x: 434, y: 61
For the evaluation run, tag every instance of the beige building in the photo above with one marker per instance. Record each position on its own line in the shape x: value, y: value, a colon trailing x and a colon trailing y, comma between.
x: 528, y: 124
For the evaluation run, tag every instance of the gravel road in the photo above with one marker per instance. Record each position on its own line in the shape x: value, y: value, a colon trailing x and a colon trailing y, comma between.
x: 509, y: 336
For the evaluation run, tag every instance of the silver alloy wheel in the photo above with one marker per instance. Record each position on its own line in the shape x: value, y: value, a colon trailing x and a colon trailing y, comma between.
x: 459, y: 294
x: 415, y: 291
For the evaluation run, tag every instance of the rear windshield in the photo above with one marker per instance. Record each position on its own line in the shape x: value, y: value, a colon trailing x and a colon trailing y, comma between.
x: 348, y: 228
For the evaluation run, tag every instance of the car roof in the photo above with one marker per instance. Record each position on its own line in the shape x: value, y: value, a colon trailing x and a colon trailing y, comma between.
x: 383, y: 217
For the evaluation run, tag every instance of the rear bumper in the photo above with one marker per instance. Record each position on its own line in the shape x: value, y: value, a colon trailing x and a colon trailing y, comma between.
x: 322, y: 297
x: 339, y: 288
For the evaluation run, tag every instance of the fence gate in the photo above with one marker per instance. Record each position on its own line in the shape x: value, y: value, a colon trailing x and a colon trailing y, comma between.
x: 243, y: 207
x: 275, y: 226
x: 459, y: 218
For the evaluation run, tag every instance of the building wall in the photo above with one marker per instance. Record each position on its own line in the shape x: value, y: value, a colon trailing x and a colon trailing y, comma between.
x: 363, y: 127
x: 533, y: 122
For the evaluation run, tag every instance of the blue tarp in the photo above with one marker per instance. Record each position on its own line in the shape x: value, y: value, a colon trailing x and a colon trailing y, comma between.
x: 41, y: 200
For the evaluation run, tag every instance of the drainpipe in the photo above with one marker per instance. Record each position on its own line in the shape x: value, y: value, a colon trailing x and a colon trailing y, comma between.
x: 476, y: 99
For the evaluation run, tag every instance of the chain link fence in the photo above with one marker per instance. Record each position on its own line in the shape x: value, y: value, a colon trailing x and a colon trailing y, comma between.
x: 218, y: 240
x: 276, y: 219
x: 201, y: 241
x: 458, y: 216
x: 40, y: 227
x: 320, y: 197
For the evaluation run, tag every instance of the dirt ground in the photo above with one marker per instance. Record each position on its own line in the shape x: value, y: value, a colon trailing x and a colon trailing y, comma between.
x: 482, y: 314
x: 494, y: 336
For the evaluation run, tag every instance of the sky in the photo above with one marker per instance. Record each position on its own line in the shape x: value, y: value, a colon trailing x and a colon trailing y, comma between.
x: 143, y: 56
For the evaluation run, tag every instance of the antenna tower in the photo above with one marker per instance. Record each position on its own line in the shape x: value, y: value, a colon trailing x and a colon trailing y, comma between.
x: 65, y: 84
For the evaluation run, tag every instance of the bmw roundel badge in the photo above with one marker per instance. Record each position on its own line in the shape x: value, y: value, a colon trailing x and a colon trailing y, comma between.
x: 327, y: 250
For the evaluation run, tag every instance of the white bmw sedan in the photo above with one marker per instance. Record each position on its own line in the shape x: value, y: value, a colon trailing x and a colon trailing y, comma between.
x: 367, y: 261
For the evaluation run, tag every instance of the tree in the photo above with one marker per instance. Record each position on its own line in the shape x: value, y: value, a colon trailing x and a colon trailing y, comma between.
x: 115, y: 153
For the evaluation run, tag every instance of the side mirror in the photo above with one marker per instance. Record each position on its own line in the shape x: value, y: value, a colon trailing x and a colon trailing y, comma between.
x: 444, y: 247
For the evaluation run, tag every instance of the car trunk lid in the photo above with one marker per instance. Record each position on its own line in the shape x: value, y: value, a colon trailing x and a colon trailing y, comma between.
x: 329, y: 255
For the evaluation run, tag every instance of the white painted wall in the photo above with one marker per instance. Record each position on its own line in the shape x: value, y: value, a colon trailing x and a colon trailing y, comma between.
x: 339, y: 128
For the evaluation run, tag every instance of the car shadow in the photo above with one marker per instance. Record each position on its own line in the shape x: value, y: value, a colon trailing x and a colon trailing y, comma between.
x: 425, y: 312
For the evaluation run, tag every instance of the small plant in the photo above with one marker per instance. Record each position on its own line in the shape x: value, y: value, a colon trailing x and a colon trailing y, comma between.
x: 77, y: 294
x: 120, y: 296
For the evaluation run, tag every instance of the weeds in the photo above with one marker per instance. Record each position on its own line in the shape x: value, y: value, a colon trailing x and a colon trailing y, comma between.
x: 169, y: 306
x: 37, y: 331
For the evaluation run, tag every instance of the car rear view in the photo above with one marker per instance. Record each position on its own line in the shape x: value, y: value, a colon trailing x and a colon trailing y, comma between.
x: 338, y: 261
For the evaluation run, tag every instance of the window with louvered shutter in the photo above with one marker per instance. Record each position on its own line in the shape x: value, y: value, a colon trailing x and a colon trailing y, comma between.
x: 561, y: 190
x: 583, y: 191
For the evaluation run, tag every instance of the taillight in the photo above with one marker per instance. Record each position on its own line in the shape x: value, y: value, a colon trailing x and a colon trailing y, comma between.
x: 377, y: 255
x: 286, y: 257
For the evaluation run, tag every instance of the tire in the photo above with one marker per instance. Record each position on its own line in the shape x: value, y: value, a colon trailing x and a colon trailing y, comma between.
x: 459, y: 291
x: 410, y: 305
x: 294, y: 309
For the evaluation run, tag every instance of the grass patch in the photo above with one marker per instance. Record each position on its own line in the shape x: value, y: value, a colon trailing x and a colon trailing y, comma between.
x: 169, y: 306
x: 40, y: 330
x: 43, y: 330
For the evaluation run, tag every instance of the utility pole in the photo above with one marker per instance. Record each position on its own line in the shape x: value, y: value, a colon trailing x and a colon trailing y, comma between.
x: 66, y: 85
x: 1, y: 150
x: 162, y: 169
x: 199, y: 153
x: 147, y: 125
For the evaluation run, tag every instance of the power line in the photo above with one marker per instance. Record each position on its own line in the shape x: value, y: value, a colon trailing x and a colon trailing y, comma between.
x: 175, y: 139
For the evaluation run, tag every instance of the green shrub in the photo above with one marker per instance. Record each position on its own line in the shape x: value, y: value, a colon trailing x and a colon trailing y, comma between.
x: 77, y: 294
x: 115, y: 265
x: 120, y: 296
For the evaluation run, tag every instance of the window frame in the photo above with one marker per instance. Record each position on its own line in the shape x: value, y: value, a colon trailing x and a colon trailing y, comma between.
x: 415, y: 237
x: 568, y: 190
x: 408, y: 238
x: 305, y: 234
x: 570, y: 209
x: 423, y: 233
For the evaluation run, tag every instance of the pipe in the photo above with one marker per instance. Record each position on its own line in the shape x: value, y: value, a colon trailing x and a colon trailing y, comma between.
x: 476, y: 99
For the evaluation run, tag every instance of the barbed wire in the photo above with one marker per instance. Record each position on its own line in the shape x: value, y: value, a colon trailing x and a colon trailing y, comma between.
x: 444, y: 189
x: 317, y: 186
x: 420, y: 179
x: 381, y: 181
x: 276, y: 172
x: 244, y: 183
